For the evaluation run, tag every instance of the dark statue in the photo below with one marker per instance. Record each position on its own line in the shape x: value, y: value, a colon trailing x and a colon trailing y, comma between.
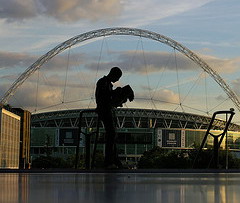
x: 107, y: 100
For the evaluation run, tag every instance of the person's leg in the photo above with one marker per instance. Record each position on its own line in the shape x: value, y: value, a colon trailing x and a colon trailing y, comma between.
x: 117, y: 161
x: 110, y: 140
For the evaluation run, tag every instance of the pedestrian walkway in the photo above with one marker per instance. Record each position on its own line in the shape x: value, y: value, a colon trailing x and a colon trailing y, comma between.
x: 119, y: 187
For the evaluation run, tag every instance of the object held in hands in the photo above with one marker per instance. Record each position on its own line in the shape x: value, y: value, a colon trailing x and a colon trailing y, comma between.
x: 121, y: 95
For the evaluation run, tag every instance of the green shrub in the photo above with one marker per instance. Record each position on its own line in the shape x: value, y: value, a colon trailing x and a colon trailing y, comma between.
x: 49, y: 162
x: 158, y: 158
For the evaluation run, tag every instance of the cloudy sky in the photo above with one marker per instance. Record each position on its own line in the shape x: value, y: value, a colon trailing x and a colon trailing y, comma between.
x: 210, y: 28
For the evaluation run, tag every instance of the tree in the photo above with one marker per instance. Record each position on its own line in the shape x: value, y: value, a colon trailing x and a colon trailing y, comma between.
x: 158, y: 158
x: 163, y: 158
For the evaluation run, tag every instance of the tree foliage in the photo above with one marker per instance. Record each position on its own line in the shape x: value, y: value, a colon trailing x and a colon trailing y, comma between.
x: 49, y: 161
x: 158, y: 158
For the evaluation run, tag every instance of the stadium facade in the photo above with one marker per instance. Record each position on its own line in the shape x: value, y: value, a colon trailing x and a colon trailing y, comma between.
x: 138, y: 130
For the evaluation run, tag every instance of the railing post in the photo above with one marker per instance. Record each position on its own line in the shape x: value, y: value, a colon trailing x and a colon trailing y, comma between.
x: 78, y: 140
x: 95, y: 143
x: 87, y: 141
x: 215, y: 152
x: 88, y: 151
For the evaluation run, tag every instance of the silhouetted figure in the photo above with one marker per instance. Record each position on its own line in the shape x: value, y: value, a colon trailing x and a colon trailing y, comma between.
x: 107, y: 99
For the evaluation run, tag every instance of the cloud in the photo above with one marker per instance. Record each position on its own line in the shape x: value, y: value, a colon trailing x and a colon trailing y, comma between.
x: 22, y: 60
x: 61, y: 62
x: 154, y: 10
x: 167, y: 96
x: 221, y: 65
x: 17, y: 9
x: 10, y: 59
x: 155, y: 61
x: 44, y: 95
x: 61, y: 10
x: 146, y: 62
x: 73, y: 10
x: 162, y: 95
x: 42, y: 91
x: 129, y: 61
x: 140, y: 62
x: 125, y: 11
x: 74, y: 80
x: 30, y: 98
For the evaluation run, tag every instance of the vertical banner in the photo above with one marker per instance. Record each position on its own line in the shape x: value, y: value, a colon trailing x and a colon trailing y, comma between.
x: 57, y: 138
x: 82, y: 140
x: 171, y: 138
x: 183, y: 139
x: 159, y: 137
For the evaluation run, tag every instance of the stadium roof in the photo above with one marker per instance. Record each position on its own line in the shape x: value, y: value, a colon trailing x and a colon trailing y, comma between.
x: 129, y: 118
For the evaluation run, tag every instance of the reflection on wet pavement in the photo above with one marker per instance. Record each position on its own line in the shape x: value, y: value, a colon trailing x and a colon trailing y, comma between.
x: 119, y: 187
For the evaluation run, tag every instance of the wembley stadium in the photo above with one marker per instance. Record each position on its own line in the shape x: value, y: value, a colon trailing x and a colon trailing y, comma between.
x: 138, y: 131
x: 176, y: 92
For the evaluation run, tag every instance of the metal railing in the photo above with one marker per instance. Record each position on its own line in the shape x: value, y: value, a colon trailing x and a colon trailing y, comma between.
x: 88, y: 161
x: 216, y: 143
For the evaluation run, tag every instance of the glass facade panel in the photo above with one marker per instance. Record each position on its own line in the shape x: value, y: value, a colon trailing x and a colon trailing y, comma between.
x: 193, y: 137
x: 131, y: 142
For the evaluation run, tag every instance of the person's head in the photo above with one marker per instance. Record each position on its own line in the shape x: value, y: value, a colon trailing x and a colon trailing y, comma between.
x: 115, y: 74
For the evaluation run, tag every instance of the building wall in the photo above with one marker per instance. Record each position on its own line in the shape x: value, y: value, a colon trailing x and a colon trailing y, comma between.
x: 25, y: 138
x: 9, y: 139
x: 132, y: 142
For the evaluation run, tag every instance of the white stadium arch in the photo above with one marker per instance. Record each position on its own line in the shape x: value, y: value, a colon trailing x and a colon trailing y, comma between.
x: 121, y: 31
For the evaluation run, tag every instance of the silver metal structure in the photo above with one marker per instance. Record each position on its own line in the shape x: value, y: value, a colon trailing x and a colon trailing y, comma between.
x: 130, y: 118
x: 121, y: 31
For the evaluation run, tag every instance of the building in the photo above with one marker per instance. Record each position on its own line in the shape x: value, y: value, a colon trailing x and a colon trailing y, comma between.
x: 9, y: 139
x: 15, y: 138
x: 138, y: 130
x: 25, y: 132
